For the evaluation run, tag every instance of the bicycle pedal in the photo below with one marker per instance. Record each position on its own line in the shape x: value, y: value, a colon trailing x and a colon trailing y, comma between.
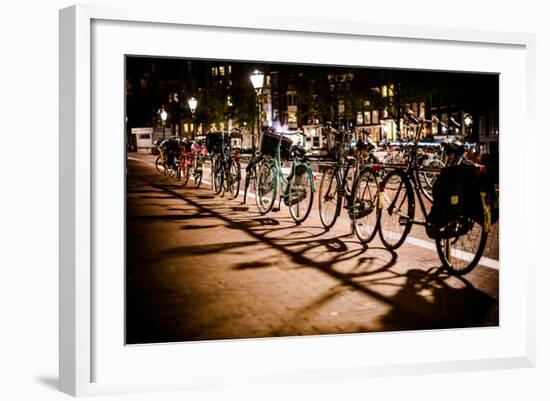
x: 403, y: 221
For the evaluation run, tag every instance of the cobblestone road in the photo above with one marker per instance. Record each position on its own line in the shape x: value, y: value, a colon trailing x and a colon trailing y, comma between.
x: 201, y: 267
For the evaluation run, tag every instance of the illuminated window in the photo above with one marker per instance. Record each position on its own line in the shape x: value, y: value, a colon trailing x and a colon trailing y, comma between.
x: 384, y: 90
x: 214, y: 72
x: 385, y: 113
x: 359, y: 118
x: 292, y: 117
x: 341, y: 107
x: 229, y: 69
x: 367, y: 117
x: 222, y: 70
x: 366, y: 104
x: 390, y: 90
x: 375, y: 119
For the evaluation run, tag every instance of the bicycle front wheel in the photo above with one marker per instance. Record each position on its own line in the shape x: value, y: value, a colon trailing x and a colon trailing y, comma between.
x: 396, y: 209
x: 159, y: 164
x: 235, y: 172
x: 198, y: 171
x: 217, y: 175
x: 300, y: 193
x: 330, y: 200
x: 266, y: 188
x: 364, y: 209
x: 186, y: 173
x: 460, y: 254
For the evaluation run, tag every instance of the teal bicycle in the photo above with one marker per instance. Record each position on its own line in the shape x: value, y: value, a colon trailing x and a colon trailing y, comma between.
x: 296, y: 189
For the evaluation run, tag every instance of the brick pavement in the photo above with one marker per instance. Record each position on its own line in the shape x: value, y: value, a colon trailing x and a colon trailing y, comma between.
x: 200, y: 267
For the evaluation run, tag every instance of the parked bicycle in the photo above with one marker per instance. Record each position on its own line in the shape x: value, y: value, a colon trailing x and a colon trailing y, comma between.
x: 252, y: 172
x: 459, y: 244
x: 350, y: 183
x: 226, y: 166
x: 296, y: 189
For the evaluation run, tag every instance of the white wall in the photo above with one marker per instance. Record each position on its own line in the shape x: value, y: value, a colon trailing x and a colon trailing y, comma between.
x: 29, y: 214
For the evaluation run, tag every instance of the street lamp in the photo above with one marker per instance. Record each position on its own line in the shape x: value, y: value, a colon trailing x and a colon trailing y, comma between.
x: 193, y: 106
x: 163, y: 117
x: 257, y: 79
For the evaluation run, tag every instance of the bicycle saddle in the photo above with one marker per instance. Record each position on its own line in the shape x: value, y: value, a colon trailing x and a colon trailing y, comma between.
x: 298, y: 150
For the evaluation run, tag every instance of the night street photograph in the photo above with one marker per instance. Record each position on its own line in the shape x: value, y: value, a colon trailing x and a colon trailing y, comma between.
x: 271, y: 200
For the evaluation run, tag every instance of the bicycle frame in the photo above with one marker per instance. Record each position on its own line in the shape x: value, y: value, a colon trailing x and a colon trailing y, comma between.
x: 284, y: 182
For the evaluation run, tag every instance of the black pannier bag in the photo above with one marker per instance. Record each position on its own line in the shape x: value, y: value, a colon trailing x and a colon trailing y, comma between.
x: 172, y: 149
x: 457, y: 201
x: 269, y: 145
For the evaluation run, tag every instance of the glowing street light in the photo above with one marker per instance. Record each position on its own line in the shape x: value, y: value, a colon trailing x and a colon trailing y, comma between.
x: 163, y: 117
x: 193, y: 105
x: 192, y: 102
x: 257, y: 79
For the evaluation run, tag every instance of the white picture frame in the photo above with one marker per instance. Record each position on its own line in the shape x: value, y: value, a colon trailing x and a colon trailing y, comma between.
x: 80, y: 348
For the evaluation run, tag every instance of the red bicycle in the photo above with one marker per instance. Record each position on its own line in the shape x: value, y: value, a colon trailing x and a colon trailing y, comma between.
x: 185, y: 163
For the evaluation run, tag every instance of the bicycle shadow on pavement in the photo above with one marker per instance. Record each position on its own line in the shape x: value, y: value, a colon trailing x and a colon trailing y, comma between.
x: 415, y: 298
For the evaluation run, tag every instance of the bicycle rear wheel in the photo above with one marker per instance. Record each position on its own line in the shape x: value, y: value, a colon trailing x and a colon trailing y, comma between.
x: 462, y: 253
x: 266, y: 188
x: 364, y: 209
x: 300, y: 193
x: 330, y: 200
x: 397, y: 209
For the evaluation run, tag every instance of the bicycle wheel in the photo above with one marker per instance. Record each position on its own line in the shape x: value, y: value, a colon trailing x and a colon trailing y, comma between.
x: 198, y: 162
x: 300, y: 193
x: 330, y: 200
x: 235, y: 172
x: 159, y: 164
x: 428, y: 177
x: 186, y: 173
x: 462, y: 253
x: 266, y: 187
x: 397, y: 209
x: 364, y: 209
x: 217, y: 175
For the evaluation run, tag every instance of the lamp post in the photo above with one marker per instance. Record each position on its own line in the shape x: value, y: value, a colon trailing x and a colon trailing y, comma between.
x: 257, y: 79
x: 163, y: 117
x: 193, y: 106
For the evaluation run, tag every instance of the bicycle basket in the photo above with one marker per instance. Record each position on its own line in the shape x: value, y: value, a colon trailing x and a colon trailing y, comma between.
x: 214, y: 141
x: 269, y: 145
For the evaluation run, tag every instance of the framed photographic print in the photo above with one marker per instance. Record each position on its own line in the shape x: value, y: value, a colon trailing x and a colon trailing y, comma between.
x: 290, y: 200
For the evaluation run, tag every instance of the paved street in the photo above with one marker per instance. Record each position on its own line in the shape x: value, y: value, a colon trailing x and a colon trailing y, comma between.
x: 201, y: 267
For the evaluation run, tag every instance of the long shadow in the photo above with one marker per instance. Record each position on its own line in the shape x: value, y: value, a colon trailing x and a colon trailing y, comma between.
x: 230, y: 247
x: 164, y: 217
x: 443, y: 306
x: 446, y: 306
x: 298, y: 257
